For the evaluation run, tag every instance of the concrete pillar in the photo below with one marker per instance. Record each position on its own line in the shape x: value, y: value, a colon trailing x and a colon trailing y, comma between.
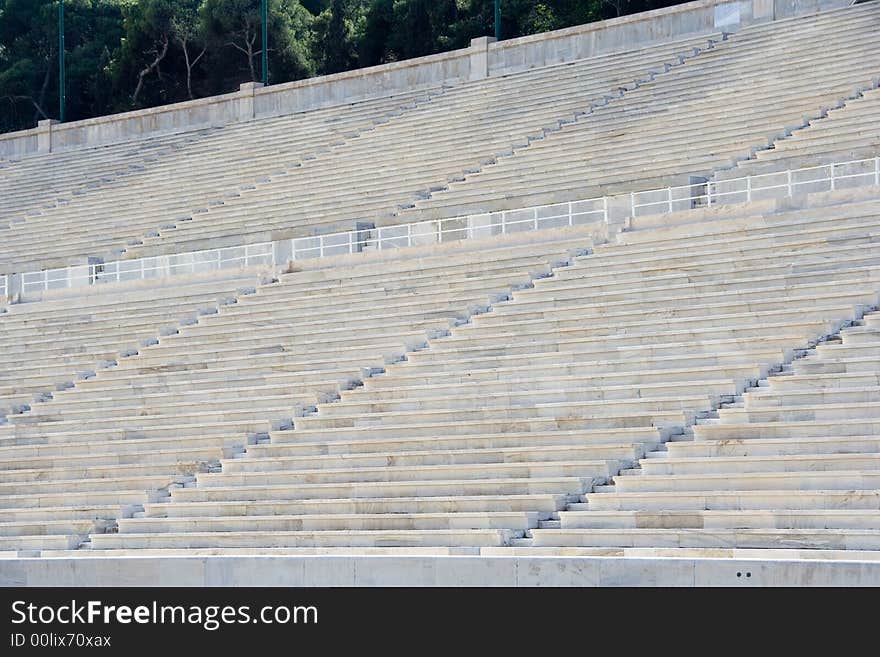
x: 246, y: 100
x: 619, y: 213
x: 479, y: 56
x: 44, y: 135
x: 728, y: 16
x: 282, y: 252
x: 13, y: 288
x: 763, y: 10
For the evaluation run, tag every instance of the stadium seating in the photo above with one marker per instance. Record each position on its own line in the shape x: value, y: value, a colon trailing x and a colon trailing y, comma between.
x: 288, y: 172
x: 552, y: 394
x: 221, y: 165
x: 575, y: 130
x: 848, y: 133
x: 31, y: 186
x: 126, y: 436
x: 47, y: 346
x: 703, y: 382
x: 461, y: 130
x: 741, y: 96
x: 791, y: 465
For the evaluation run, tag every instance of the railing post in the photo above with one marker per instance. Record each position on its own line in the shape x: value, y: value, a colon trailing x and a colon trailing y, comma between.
x: 669, y: 194
x: 790, y: 190
x: 877, y: 170
x: 321, y: 246
x: 439, y: 223
x: 503, y: 224
x: 632, y: 204
x: 709, y: 193
x: 571, y: 214
x: 832, y: 176
x: 536, y: 218
x: 350, y: 242
x: 143, y: 268
x: 409, y: 234
x: 749, y: 189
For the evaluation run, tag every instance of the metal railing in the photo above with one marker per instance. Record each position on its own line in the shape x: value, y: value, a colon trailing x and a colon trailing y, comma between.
x: 827, y: 177
x: 821, y: 178
x: 4, y: 286
x: 193, y: 262
x: 557, y: 215
x: 355, y: 241
x: 235, y: 257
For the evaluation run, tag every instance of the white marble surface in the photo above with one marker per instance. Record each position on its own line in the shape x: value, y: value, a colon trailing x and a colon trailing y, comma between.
x: 432, y: 571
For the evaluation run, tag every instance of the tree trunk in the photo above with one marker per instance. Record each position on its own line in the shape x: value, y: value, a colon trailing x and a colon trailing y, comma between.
x: 249, y: 52
x: 39, y: 105
x: 190, y: 65
x: 149, y: 69
x: 251, y: 55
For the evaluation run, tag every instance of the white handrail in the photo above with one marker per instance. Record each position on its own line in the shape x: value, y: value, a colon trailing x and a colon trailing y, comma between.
x: 665, y: 199
x: 440, y: 230
x: 445, y: 230
x: 352, y: 241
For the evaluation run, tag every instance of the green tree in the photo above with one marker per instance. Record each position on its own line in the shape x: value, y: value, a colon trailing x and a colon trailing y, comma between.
x: 29, y: 51
x: 235, y: 26
x: 29, y: 59
x: 188, y: 30
x: 336, y: 33
x: 140, y: 53
x: 148, y: 34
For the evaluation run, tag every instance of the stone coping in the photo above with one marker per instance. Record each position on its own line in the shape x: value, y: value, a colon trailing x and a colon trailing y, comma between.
x: 392, y: 570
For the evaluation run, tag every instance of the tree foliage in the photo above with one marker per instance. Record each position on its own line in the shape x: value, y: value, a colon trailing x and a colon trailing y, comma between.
x: 128, y: 54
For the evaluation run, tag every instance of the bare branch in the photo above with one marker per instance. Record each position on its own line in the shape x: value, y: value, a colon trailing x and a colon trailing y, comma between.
x: 14, y: 97
x: 154, y: 65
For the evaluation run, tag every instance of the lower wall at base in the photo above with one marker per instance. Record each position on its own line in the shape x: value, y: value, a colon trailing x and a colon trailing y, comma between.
x: 431, y: 571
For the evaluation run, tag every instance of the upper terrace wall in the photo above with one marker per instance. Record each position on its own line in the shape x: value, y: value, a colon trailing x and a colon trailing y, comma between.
x: 484, y: 58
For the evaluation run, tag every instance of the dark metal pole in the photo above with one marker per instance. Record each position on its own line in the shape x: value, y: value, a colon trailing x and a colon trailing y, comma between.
x: 264, y: 16
x: 61, y: 94
x: 498, y: 20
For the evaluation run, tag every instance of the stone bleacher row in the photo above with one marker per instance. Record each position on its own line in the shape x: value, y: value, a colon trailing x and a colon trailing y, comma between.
x: 31, y: 186
x: 713, y: 111
x: 317, y: 171
x: 126, y: 437
x: 846, y: 134
x: 49, y: 346
x: 491, y: 432
x: 224, y: 164
x: 575, y: 130
x: 791, y: 466
x: 705, y: 383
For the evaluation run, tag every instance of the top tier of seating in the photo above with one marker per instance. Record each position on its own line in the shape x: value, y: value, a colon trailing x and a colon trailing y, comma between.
x: 716, y: 109
x: 306, y: 173
x: 601, y: 125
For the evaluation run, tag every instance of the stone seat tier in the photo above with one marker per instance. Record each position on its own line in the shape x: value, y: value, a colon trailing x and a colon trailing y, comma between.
x: 818, y: 539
